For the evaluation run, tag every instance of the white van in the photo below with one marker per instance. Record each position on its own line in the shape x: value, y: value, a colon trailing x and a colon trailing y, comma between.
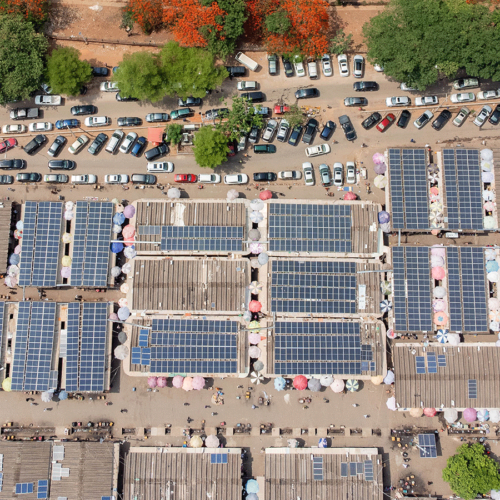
x: 164, y: 166
x: 246, y: 61
x: 312, y: 68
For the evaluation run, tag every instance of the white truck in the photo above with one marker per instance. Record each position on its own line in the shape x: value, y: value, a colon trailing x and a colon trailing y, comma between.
x: 24, y: 113
x: 48, y: 100
x: 246, y: 61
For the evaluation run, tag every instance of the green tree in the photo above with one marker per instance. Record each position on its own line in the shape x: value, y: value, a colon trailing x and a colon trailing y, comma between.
x: 141, y: 75
x: 22, y: 52
x: 471, y: 471
x: 278, y: 22
x: 210, y: 147
x: 341, y: 43
x: 66, y: 73
x: 240, y: 119
x: 174, y: 133
x: 415, y: 40
x: 295, y: 116
x: 190, y: 71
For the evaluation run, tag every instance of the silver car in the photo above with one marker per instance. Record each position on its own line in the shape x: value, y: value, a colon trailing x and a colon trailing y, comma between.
x: 357, y: 66
x: 326, y: 64
x: 482, y: 116
x: 324, y: 173
x: 398, y: 101
x: 338, y: 174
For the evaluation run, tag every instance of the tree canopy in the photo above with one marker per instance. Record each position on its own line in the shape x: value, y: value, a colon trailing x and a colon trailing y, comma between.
x: 415, y: 40
x: 210, y: 147
x: 34, y: 11
x: 174, y: 133
x: 66, y: 73
x: 240, y: 119
x: 22, y: 52
x: 471, y: 471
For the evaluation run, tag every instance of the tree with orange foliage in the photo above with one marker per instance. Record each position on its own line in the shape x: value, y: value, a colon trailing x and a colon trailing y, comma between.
x: 34, y: 11
x: 146, y: 13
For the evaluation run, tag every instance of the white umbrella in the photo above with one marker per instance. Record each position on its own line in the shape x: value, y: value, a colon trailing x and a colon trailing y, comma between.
x: 488, y: 195
x: 254, y: 351
x: 486, y: 166
x: 47, y: 396
x: 123, y: 313
x: 173, y: 193
x: 232, y: 194
x: 493, y: 277
x: 257, y: 204
x: 389, y: 378
x: 453, y: 339
x: 439, y: 292
x: 116, y: 271
x: 255, y: 287
x: 337, y: 385
x: 125, y: 288
x: 256, y: 216
x: 391, y: 403
x: 495, y: 415
x: 126, y: 268
x: 121, y: 352
x: 326, y: 380
x: 490, y: 254
x: 380, y: 181
x: 117, y: 228
x: 451, y: 415
x: 69, y: 205
x: 256, y: 378
x: 68, y: 215
x: 212, y: 441
x: 130, y: 252
x: 123, y: 302
x: 486, y: 154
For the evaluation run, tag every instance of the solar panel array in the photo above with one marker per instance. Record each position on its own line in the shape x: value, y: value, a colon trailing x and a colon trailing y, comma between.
x: 412, y: 289
x: 323, y: 348
x: 427, y: 445
x: 430, y: 363
x: 309, y: 228
x: 23, y: 488
x: 350, y: 469
x: 34, y: 344
x: 2, y: 319
x: 463, y: 183
x: 318, y: 468
x: 93, y: 225
x: 202, y: 238
x: 218, y: 458
x: 193, y: 346
x: 86, y: 347
x: 409, y: 189
x: 472, y: 388
x: 43, y: 489
x: 467, y: 290
x: 40, y: 243
x: 313, y: 287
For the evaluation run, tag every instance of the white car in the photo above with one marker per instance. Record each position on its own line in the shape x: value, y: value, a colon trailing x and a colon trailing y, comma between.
x: 326, y: 64
x: 163, y: 166
x: 247, y: 86
x: 378, y: 68
x: 299, y: 68
x: 482, y: 116
x: 271, y: 127
x: 209, y: 178
x: 462, y: 115
x: 109, y: 87
x: 405, y: 87
x: 236, y: 179
x: 465, y: 97
x: 430, y: 100
x: 116, y: 179
x: 14, y: 129
x: 48, y: 100
x: 338, y: 174
x: 343, y: 66
x: 423, y: 119
x: 78, y: 144
x: 358, y: 64
x: 351, y: 172
x: 488, y: 94
x: 128, y: 142
x: 97, y: 121
x: 84, y: 179
x: 308, y: 173
x: 40, y: 126
x: 290, y: 175
x: 397, y: 101
x: 322, y: 149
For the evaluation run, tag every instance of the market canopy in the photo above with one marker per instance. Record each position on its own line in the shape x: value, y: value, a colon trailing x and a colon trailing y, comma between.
x: 155, y: 135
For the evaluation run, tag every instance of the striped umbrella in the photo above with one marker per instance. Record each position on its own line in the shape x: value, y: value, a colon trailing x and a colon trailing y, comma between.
x: 352, y: 385
x: 442, y: 336
x: 255, y: 287
x: 385, y: 306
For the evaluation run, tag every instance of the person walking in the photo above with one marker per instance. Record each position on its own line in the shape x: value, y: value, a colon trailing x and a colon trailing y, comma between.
x: 366, y: 416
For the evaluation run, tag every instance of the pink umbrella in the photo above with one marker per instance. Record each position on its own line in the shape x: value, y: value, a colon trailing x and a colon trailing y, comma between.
x: 337, y: 385
x: 129, y: 211
x: 438, y: 273
x: 265, y: 195
x: 434, y: 190
x: 11, y: 282
x: 378, y: 158
x: 254, y: 338
x: 440, y: 319
x: 438, y: 250
x: 177, y: 381
x: 380, y: 168
x: 152, y: 382
x: 198, y: 383
x: 430, y: 412
x: 300, y: 382
x: 113, y: 316
x: 17, y: 249
x: 187, y: 384
x: 128, y: 242
x: 65, y: 272
x: 254, y: 306
x: 439, y: 305
x: 255, y: 248
x: 350, y: 196
x: 470, y: 415
x: 391, y: 334
x: 162, y: 382
x: 128, y: 231
x: 489, y: 206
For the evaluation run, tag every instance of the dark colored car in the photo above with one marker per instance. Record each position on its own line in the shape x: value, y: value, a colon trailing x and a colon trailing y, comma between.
x: 404, y: 119
x: 29, y: 177
x: 143, y: 179
x: 355, y: 101
x: 60, y: 124
x: 306, y: 93
x: 254, y: 96
x: 97, y: 144
x: 100, y: 71
x: 264, y: 148
x: 309, y: 131
x: 272, y: 64
x: 441, y: 120
x: 264, y: 176
x: 328, y: 130
x: 6, y: 179
x: 288, y: 67
x: 157, y: 117
x: 212, y: 114
x: 35, y: 144
x: 185, y: 178
x: 129, y: 121
x: 7, y: 144
x: 365, y: 86
x: 236, y: 71
x: 295, y: 135
x: 156, y: 152
x: 386, y: 122
x: 83, y: 110
x: 371, y: 120
x: 139, y: 146
x: 122, y: 98
x: 62, y: 165
x: 495, y: 116
x: 254, y: 135
x: 345, y: 123
x: 189, y: 101
x: 57, y: 145
x: 14, y: 164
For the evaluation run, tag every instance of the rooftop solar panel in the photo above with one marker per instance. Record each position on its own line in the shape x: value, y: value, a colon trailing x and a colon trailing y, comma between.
x: 368, y: 470
x: 21, y: 346
x: 73, y: 346
x: 454, y: 289
x: 28, y: 243
x: 2, y: 319
x: 396, y: 189
x: 427, y: 445
x: 472, y: 388
x: 318, y: 468
x: 202, y: 238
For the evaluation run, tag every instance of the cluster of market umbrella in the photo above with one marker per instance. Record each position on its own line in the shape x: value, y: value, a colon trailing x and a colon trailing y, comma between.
x: 66, y: 260
x: 488, y: 179
x: 493, y: 275
x: 127, y: 232
x: 188, y: 383
x: 383, y: 220
x: 11, y: 279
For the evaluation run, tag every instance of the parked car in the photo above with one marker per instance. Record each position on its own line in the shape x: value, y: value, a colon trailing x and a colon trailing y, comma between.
x: 57, y: 145
x: 310, y: 130
x: 264, y: 148
x: 78, y: 144
x: 236, y: 179
x: 321, y: 149
x: 35, y: 144
x: 109, y: 87
x: 423, y: 119
x: 269, y: 131
x: 398, y: 101
x: 290, y: 175
x: 138, y: 147
x: 441, y: 120
x: 328, y: 130
x: 283, y: 131
x: 326, y: 65
x: 115, y: 140
x: 351, y: 172
x: 378, y: 68
x: 406, y: 87
x: 272, y: 64
x: 209, y: 178
x: 462, y: 115
x: 97, y: 121
x: 495, y: 116
x: 247, y: 85
x: 100, y: 71
x: 465, y: 83
x: 67, y: 124
x: 324, y: 174
x: 488, y: 94
x: 254, y: 97
x: 279, y: 110
x: 236, y: 71
x: 365, y: 86
x: 48, y: 100
x: 299, y: 67
x: 143, y: 179
x: 307, y: 168
x: 157, y: 152
x: 306, y: 93
x: 62, y: 165
x: 7, y: 144
x: 253, y: 137
x: 343, y: 66
x: 84, y: 179
x: 358, y: 66
x: 312, y: 69
x: 97, y: 144
x: 116, y: 179
x: 14, y: 164
x: 129, y: 140
x: 40, y: 127
x: 157, y: 117
x: 29, y: 177
x: 122, y: 98
x: 242, y: 143
x: 159, y: 167
x: 371, y: 120
x: 349, y: 132
x: 295, y: 135
x: 14, y: 129
x: 6, y: 179
x: 87, y: 109
x: 482, y: 116
x: 55, y: 178
x: 404, y: 118
x: 212, y: 114
x: 178, y: 114
x: 430, y: 100
x: 382, y: 126
x: 129, y: 121
x: 465, y: 97
x: 287, y: 66
x: 189, y: 101
x: 355, y: 101
x: 264, y: 176
x: 338, y: 174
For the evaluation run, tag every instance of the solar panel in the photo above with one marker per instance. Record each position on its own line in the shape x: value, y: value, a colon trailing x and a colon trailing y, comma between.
x: 431, y: 362
x: 72, y: 346
x: 343, y: 469
x: 318, y: 468
x: 353, y: 470
x: 146, y: 356
x: 474, y: 290
x: 313, y: 287
x: 472, y: 388
x: 19, y: 359
x: 1, y: 481
x: 42, y: 490
x: 202, y: 238
x: 218, y: 458
x: 420, y: 363
x: 149, y: 230
x: 442, y: 360
x: 309, y: 228
x: 368, y: 470
x: 136, y: 355
x: 143, y: 338
x: 23, y: 488
x: 454, y: 289
x: 396, y: 189
x: 427, y: 445
x: 2, y: 318
x: 415, y: 186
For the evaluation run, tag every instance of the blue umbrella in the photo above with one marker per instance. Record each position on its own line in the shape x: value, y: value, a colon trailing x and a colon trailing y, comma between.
x: 492, y: 266
x: 63, y: 395
x: 116, y: 247
x: 119, y: 218
x: 442, y: 336
x: 322, y: 443
x: 383, y: 217
x: 14, y: 259
x: 385, y: 306
x: 252, y: 486
x: 279, y: 383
